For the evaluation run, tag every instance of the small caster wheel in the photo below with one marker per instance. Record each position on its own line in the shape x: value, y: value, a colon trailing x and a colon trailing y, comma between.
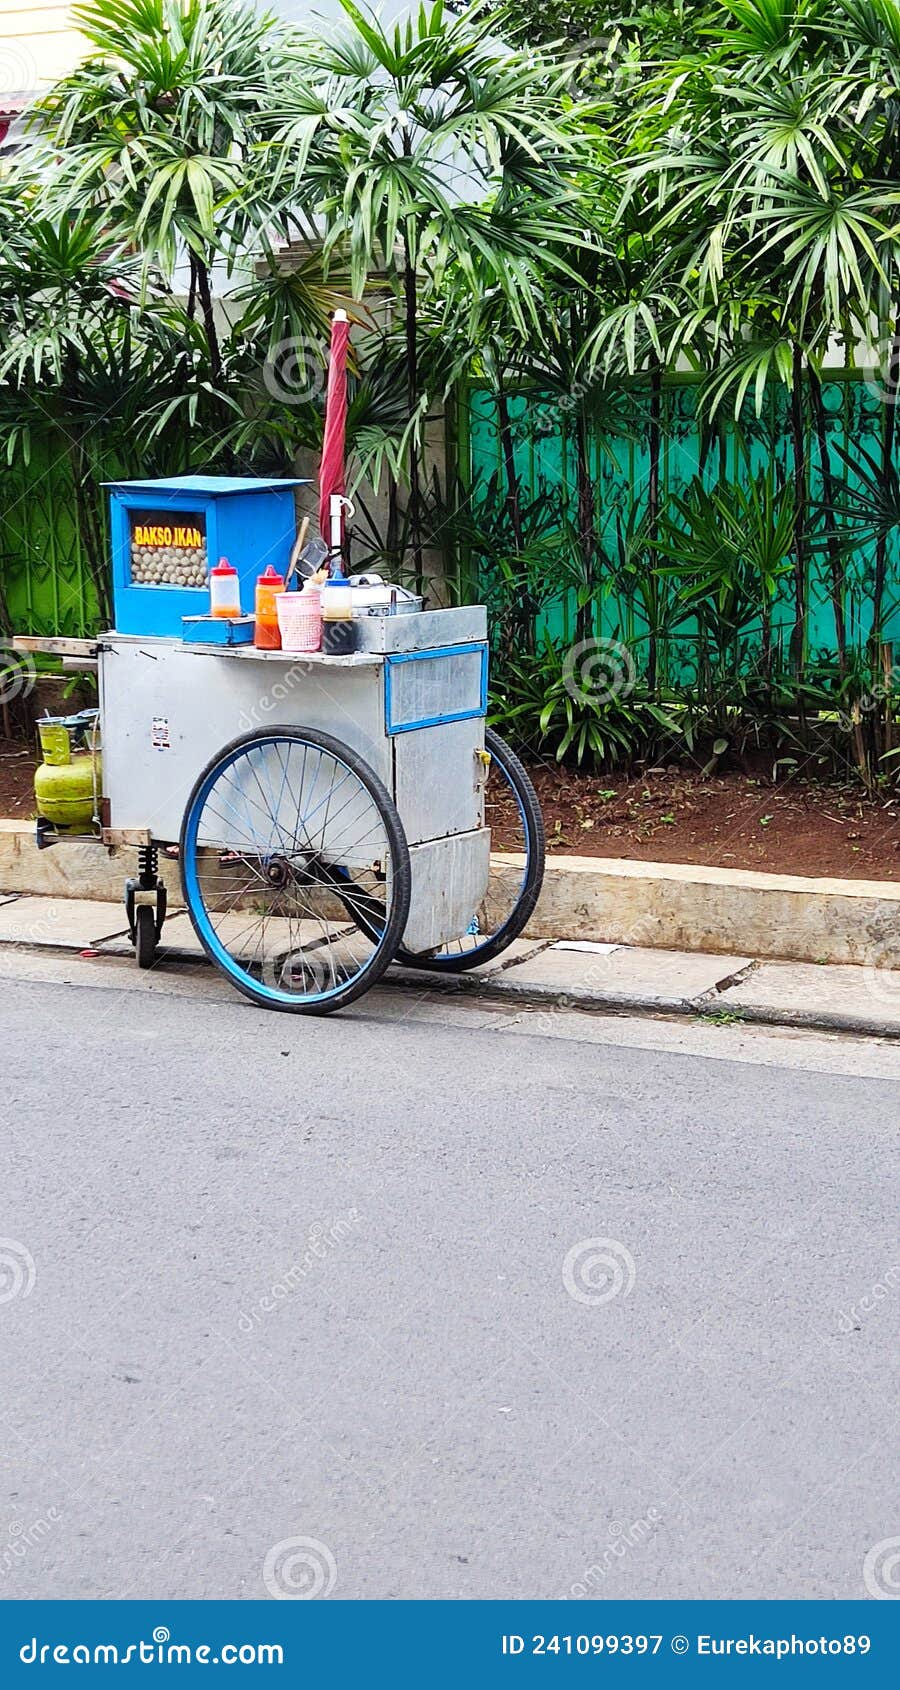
x: 145, y: 936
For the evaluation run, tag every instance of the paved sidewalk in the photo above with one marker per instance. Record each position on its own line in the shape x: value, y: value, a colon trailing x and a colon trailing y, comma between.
x: 562, y: 974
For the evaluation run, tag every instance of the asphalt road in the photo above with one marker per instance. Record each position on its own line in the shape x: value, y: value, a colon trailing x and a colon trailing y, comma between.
x: 438, y: 1299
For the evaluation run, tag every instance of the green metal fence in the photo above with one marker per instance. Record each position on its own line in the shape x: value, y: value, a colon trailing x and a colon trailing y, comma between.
x: 44, y: 574
x: 544, y: 453
x: 46, y: 581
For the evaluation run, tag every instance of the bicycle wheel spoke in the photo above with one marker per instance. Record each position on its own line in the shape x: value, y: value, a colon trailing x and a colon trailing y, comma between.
x: 310, y: 839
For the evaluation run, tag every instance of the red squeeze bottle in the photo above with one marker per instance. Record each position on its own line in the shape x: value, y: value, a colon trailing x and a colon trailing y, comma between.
x: 267, y: 635
x: 224, y: 590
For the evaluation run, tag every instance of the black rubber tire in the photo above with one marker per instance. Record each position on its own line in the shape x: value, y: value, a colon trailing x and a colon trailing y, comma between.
x: 145, y: 936
x: 383, y: 956
x: 524, y: 908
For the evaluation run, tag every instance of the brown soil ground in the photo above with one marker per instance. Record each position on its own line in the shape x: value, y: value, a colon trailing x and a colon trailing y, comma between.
x: 729, y: 820
x: 673, y: 815
x: 17, y: 763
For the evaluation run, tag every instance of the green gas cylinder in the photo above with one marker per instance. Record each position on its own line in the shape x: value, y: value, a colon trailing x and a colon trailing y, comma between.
x: 68, y: 782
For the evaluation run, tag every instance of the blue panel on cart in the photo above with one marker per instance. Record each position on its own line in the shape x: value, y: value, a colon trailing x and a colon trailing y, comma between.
x: 167, y: 534
x: 218, y: 630
x: 424, y: 689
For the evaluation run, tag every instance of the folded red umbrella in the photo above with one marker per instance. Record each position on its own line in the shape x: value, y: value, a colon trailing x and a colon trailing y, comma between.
x: 332, y: 485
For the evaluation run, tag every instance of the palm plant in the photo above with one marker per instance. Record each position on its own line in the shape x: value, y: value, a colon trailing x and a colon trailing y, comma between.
x: 536, y: 702
x: 425, y: 147
x: 159, y: 128
x: 559, y: 392
x: 727, y: 548
x: 521, y: 558
x: 76, y: 352
x: 769, y: 155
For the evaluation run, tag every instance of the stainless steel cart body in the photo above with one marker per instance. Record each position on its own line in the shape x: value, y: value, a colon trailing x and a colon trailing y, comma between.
x: 411, y: 703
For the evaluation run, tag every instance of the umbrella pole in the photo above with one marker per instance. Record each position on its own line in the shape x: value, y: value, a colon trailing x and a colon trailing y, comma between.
x: 336, y: 560
x: 332, y: 503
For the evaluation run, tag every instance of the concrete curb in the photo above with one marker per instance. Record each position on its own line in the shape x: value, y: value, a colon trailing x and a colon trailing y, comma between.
x: 77, y: 868
x: 722, y: 1001
x: 646, y: 1003
x: 661, y: 906
x: 535, y: 976
x: 683, y: 907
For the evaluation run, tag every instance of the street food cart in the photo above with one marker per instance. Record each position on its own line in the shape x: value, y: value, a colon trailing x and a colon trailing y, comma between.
x: 330, y: 814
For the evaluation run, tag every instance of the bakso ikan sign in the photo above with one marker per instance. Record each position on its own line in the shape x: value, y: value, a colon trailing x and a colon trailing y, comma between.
x: 168, y: 548
x: 149, y: 534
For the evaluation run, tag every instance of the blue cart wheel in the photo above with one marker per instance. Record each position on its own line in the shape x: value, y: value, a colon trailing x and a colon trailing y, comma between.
x: 512, y: 812
x: 288, y: 835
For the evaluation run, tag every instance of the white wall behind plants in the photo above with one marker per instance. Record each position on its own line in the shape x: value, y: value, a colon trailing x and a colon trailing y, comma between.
x: 38, y: 43
x: 301, y: 11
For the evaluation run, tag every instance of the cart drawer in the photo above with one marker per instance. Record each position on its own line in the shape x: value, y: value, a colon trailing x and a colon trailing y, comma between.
x: 439, y: 779
x: 449, y: 880
x: 423, y: 689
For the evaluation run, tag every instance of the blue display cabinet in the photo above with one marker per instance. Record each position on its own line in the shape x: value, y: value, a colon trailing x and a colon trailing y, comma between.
x: 166, y: 535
